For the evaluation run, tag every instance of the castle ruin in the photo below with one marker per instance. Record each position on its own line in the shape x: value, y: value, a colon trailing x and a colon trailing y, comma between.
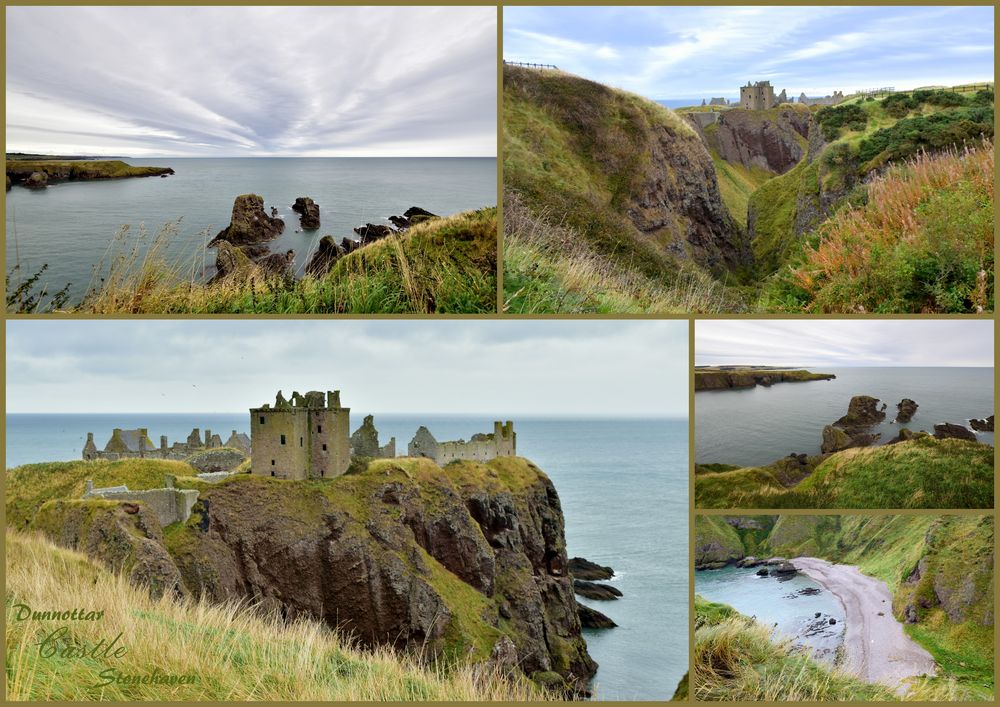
x: 136, y: 444
x: 307, y: 437
x: 760, y: 96
x: 502, y: 442
x: 171, y: 505
x: 837, y: 97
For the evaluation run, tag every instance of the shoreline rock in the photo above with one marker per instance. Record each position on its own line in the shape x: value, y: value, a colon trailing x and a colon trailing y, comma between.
x: 985, y: 425
x: 948, y: 430
x: 308, y: 211
x: 580, y: 568
x: 905, y: 410
x: 592, y: 618
x: 593, y: 590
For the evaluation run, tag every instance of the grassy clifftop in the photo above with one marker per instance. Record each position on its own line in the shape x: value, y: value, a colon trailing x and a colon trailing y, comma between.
x: 444, y: 265
x: 234, y: 652
x: 920, y: 473
x: 621, y: 200
x: 458, y: 560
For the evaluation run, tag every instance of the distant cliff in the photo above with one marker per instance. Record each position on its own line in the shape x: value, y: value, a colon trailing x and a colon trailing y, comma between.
x: 718, y: 379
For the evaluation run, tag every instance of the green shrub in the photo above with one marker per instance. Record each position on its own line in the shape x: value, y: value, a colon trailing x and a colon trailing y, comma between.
x: 928, y: 132
x: 832, y: 118
x: 898, y: 105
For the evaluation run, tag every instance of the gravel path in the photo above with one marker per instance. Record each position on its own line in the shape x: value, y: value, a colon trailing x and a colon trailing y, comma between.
x: 877, y: 648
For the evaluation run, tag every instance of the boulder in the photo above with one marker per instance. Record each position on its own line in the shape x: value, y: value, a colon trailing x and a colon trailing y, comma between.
x: 784, y: 568
x: 249, y: 223
x: 905, y: 410
x: 591, y: 618
x: 946, y: 430
x: 322, y: 260
x: 905, y: 435
x: 862, y: 412
x: 309, y: 211
x: 416, y: 215
x: 372, y: 232
x: 835, y: 439
x: 982, y: 425
x: 763, y: 572
x: 277, y: 264
x: 593, y: 590
x: 580, y: 568
x: 37, y: 180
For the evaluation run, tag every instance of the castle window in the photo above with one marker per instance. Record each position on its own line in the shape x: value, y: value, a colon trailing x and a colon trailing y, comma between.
x: 272, y: 472
x: 319, y: 428
x: 324, y: 447
x: 261, y: 418
x: 272, y: 462
x: 282, y: 439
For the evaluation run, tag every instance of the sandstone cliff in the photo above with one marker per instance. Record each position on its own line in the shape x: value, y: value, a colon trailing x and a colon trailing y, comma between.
x: 454, y: 563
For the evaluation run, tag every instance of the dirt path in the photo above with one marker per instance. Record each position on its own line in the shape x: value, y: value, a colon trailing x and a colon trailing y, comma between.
x: 877, y: 649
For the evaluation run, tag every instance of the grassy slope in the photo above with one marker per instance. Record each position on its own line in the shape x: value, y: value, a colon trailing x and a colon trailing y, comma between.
x: 736, y: 184
x: 735, y: 659
x: 574, y: 152
x: 236, y: 653
x: 301, y: 503
x: 923, y: 242
x: 899, y: 253
x: 444, y: 265
x: 921, y: 473
x: 958, y: 552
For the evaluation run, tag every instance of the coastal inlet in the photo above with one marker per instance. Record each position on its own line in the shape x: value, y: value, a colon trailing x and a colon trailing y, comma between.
x: 70, y: 224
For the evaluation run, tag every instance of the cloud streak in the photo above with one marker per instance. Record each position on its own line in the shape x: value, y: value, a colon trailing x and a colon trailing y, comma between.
x: 252, y: 81
x: 696, y: 52
x: 845, y: 343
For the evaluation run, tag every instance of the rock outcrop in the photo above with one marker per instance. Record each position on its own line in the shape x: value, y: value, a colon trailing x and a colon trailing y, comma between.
x: 411, y: 217
x: 372, y: 232
x: 445, y: 562
x: 948, y: 430
x: 581, y: 568
x: 775, y: 139
x: 249, y: 224
x: 325, y: 256
x: 905, y: 410
x: 594, y: 590
x: 37, y: 180
x: 852, y: 430
x: 592, y: 618
x: 309, y: 212
x: 982, y: 425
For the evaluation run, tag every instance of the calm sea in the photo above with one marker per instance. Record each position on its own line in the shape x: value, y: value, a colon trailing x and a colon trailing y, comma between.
x: 779, y: 604
x: 70, y: 225
x: 758, y: 425
x: 623, y: 487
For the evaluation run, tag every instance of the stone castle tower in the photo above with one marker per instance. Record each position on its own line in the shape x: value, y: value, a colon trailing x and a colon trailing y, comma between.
x: 760, y: 96
x: 307, y: 437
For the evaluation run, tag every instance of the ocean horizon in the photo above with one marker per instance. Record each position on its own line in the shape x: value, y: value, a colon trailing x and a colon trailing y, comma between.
x: 70, y: 226
x: 622, y: 484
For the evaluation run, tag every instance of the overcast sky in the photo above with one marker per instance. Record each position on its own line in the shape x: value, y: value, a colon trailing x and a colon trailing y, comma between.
x: 687, y: 52
x: 251, y: 81
x: 844, y: 343
x: 627, y: 368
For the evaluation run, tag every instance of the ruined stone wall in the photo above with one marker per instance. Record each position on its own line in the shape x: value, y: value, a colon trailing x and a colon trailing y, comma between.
x: 301, y: 439
x: 330, y: 450
x: 482, y: 447
x: 170, y: 505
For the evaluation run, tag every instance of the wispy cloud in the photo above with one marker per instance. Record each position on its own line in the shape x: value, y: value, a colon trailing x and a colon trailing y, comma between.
x: 689, y: 52
x: 239, y: 81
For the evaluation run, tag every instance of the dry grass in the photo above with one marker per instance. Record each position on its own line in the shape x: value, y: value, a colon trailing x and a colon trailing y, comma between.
x: 548, y: 267
x: 236, y: 652
x: 924, y: 238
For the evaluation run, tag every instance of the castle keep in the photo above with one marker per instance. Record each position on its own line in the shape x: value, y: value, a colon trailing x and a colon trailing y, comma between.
x: 307, y: 437
x: 760, y: 96
x: 129, y: 444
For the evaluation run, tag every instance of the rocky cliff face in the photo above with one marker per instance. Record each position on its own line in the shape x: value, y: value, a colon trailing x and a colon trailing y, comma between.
x: 774, y: 139
x: 447, y: 562
x: 628, y: 173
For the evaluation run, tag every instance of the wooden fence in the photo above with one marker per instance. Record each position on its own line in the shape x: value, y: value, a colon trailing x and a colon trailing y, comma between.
x: 529, y: 66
